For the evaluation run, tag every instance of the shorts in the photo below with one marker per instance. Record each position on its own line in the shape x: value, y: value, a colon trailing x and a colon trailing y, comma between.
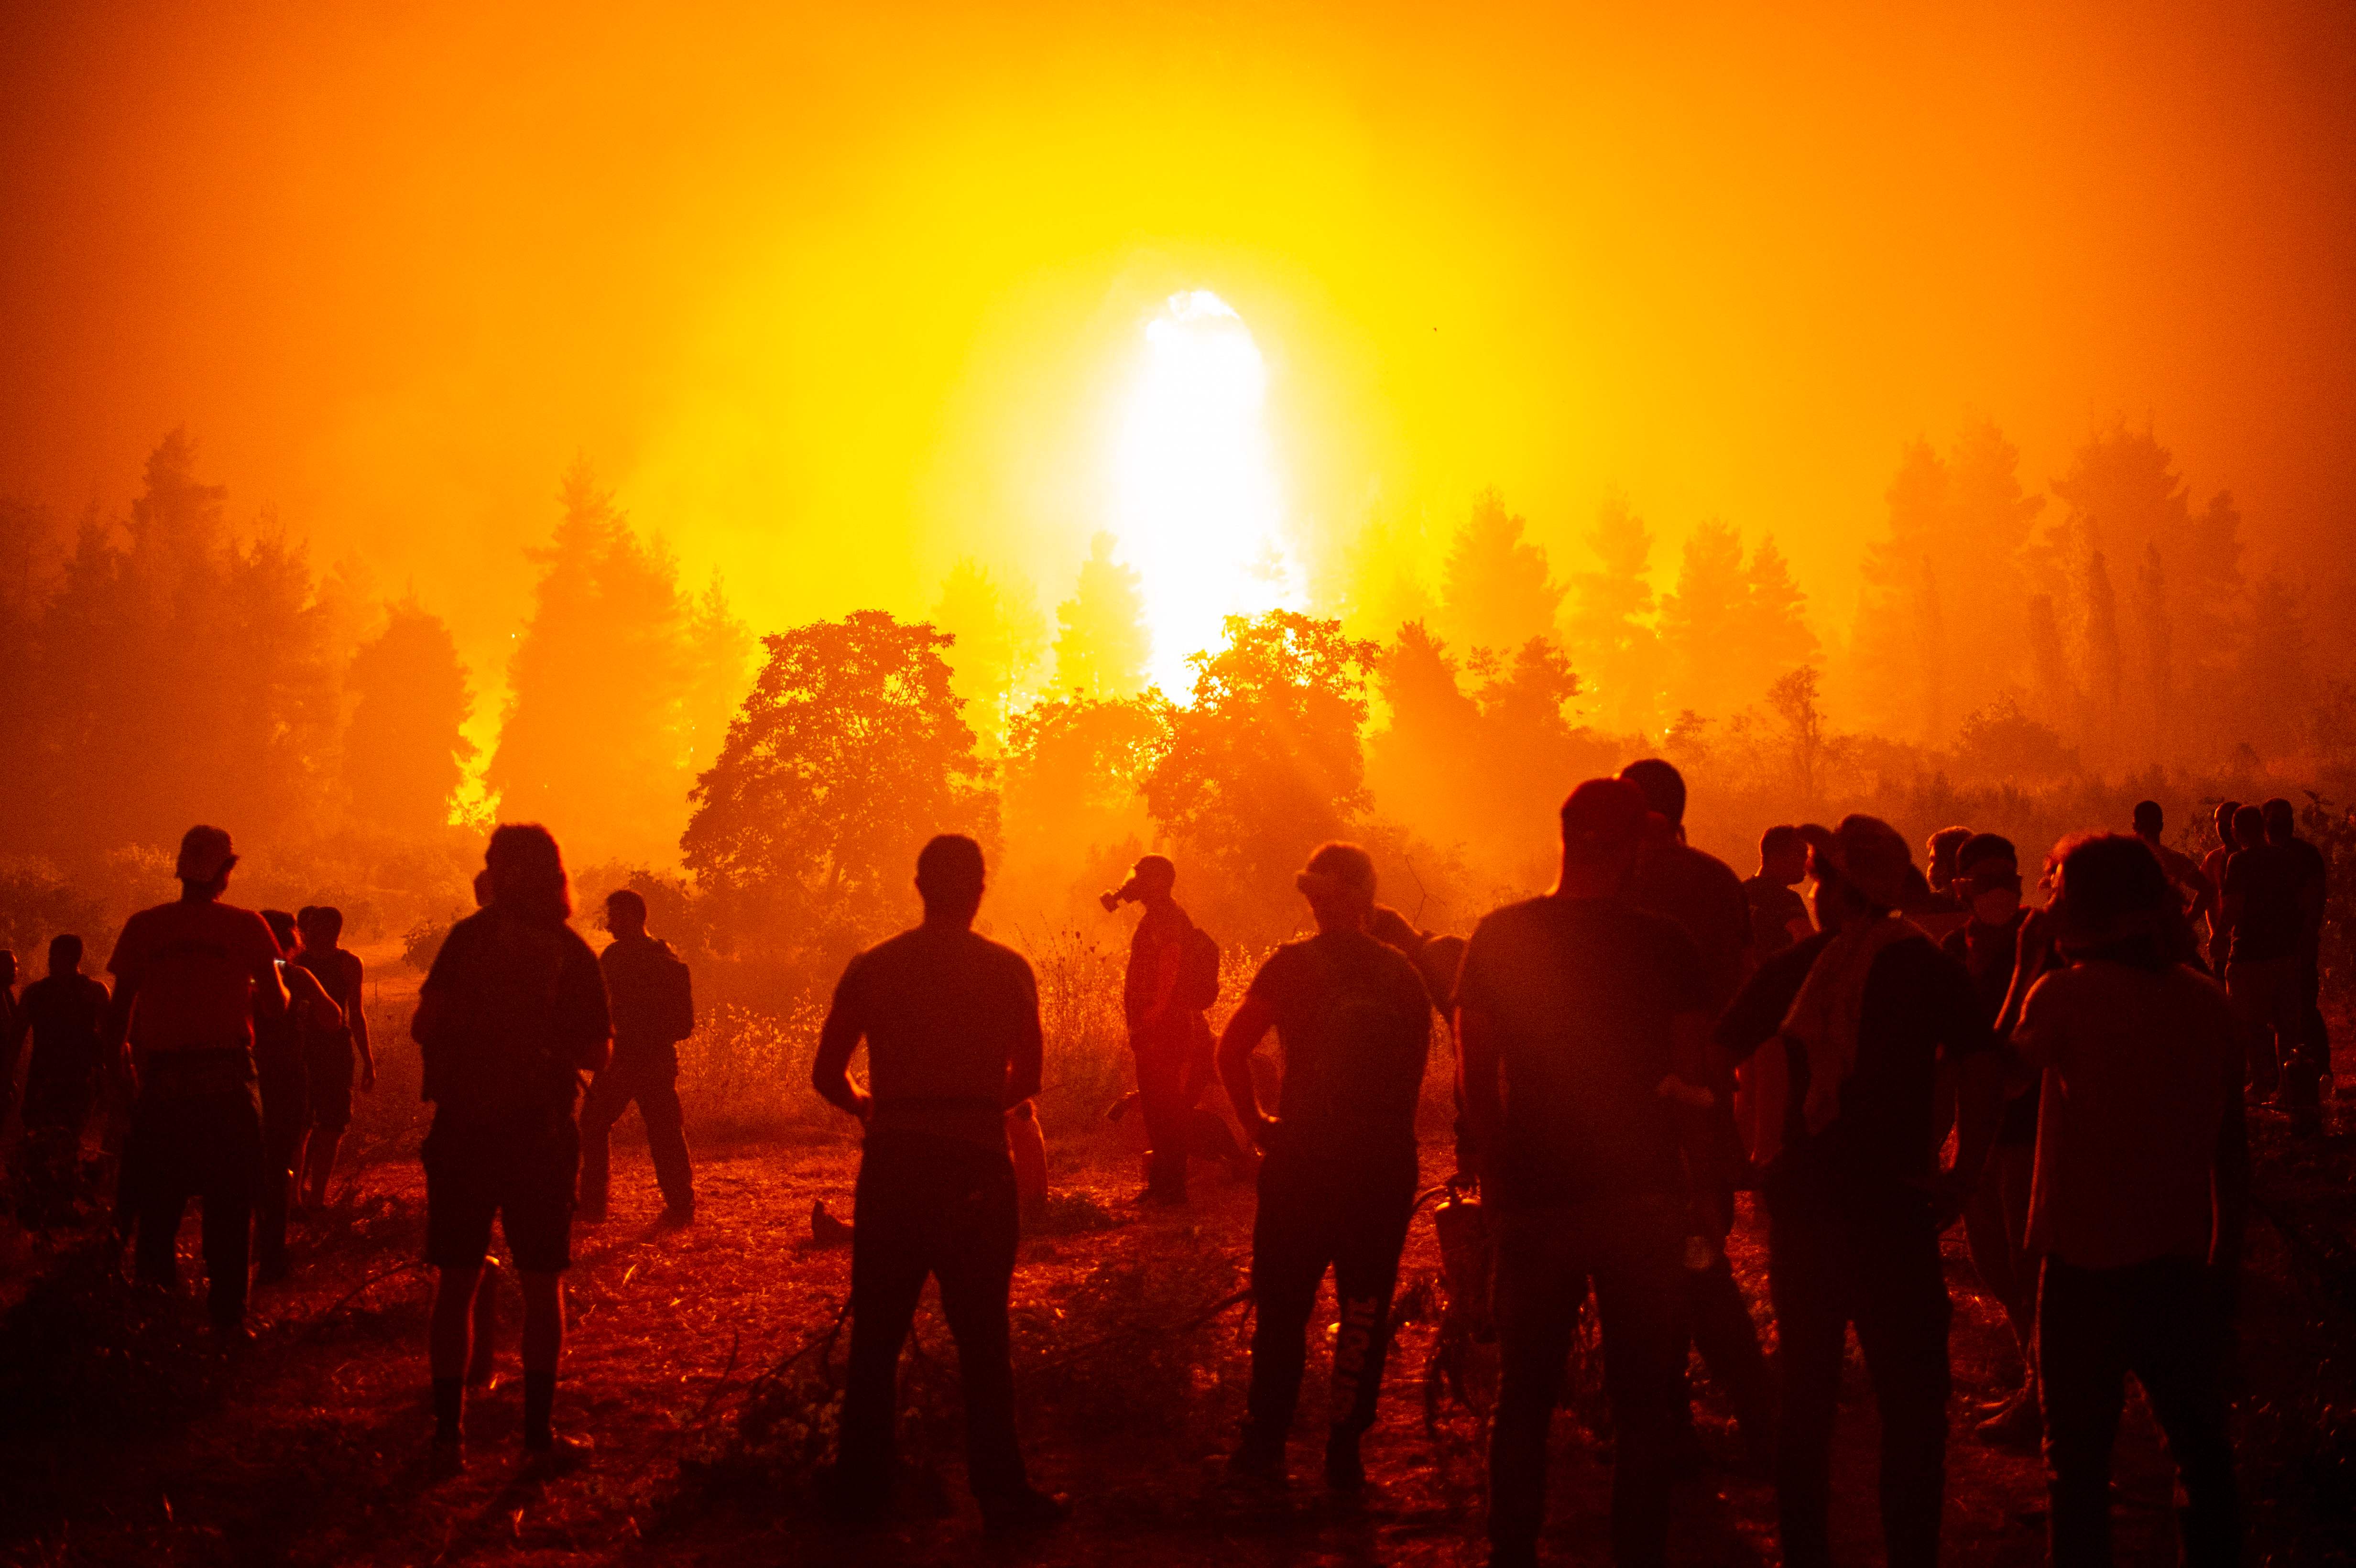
x: 523, y: 1173
x: 329, y: 1070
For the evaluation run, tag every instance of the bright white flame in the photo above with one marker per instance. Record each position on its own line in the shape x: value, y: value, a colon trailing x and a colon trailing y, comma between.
x: 1195, y: 493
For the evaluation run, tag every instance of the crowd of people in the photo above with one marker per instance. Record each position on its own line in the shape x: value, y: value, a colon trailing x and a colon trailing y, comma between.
x: 1899, y: 1050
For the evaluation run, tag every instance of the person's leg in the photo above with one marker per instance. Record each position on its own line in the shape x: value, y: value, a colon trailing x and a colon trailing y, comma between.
x: 1161, y: 1092
x: 230, y: 1166
x: 666, y: 1124
x: 447, y: 1349
x: 153, y: 1188
x: 973, y: 1254
x: 1371, y: 1235
x: 2245, y: 989
x: 1989, y: 1234
x: 542, y: 1349
x: 2172, y: 1347
x: 1291, y: 1243
x: 888, y: 1265
x: 1728, y: 1343
x: 1902, y: 1315
x: 1640, y: 1303
x: 284, y: 1111
x: 1811, y: 1300
x: 601, y: 1107
x: 1541, y: 1284
x: 2082, y: 1383
x: 331, y: 1112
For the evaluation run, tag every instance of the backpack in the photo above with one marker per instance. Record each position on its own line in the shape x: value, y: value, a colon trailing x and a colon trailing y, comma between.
x: 1198, y: 971
x: 674, y: 1000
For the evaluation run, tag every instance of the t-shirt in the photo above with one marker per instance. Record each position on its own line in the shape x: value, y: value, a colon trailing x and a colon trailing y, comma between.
x: 66, y: 1014
x: 1581, y: 992
x: 1354, y: 1025
x: 2140, y: 1068
x: 1773, y: 909
x: 1919, y: 1006
x: 1701, y: 893
x: 951, y: 1021
x: 2266, y: 878
x: 643, y: 976
x: 2313, y: 879
x: 193, y: 963
x: 522, y: 1014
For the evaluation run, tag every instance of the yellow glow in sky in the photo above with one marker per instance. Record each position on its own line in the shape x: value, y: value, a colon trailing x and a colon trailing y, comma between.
x: 1196, y: 503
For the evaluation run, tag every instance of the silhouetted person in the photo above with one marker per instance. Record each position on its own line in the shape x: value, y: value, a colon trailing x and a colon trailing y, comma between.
x: 2265, y: 928
x: 951, y: 1022
x: 1987, y: 881
x: 282, y: 1073
x: 335, y: 1049
x: 1582, y: 1021
x: 653, y: 1002
x: 2213, y: 865
x: 1354, y: 1020
x: 1859, y: 1017
x: 1164, y: 996
x: 191, y: 979
x: 1779, y: 915
x: 511, y: 1014
x: 1701, y: 893
x: 65, y: 1015
x: 2314, y: 1037
x: 2194, y: 890
x: 2142, y: 1178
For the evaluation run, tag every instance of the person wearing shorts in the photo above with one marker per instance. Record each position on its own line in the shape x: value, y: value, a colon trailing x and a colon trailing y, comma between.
x: 510, y: 1016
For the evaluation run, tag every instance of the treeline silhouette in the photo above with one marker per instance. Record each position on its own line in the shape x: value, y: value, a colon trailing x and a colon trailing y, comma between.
x: 2017, y: 661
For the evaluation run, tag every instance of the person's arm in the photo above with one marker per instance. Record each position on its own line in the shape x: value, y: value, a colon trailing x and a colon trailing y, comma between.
x: 1970, y: 1044
x: 1253, y: 1019
x: 1165, y: 980
x: 269, y: 991
x: 357, y: 1019
x: 1028, y: 1062
x: 2205, y: 892
x: 837, y: 1038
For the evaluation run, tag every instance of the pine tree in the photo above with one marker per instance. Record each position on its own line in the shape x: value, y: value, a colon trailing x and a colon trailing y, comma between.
x: 1703, y: 622
x: 2106, y: 662
x: 2155, y: 666
x: 719, y: 656
x: 1775, y: 634
x: 1611, y: 633
x: 1494, y: 591
x: 2274, y: 677
x: 405, y: 752
x: 590, y: 743
x: 1102, y: 644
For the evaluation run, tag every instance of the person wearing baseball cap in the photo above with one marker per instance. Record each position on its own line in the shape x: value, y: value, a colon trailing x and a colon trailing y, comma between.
x: 1581, y: 1022
x: 1846, y: 1035
x: 1172, y: 976
x: 191, y: 979
x: 1338, y: 1183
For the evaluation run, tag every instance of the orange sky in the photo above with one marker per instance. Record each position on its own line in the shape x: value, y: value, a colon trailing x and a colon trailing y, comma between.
x: 833, y: 297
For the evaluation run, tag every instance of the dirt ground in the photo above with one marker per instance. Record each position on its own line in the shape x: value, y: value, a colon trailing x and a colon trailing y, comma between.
x: 136, y: 1442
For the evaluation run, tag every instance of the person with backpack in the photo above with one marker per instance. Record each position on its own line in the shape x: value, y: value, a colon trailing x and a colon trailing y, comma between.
x: 1353, y: 1018
x: 1174, y: 977
x: 509, y: 1016
x: 652, y: 997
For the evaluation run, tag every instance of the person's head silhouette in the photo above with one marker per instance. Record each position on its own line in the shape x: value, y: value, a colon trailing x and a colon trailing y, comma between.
x: 65, y: 954
x: 625, y: 912
x: 949, y: 879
